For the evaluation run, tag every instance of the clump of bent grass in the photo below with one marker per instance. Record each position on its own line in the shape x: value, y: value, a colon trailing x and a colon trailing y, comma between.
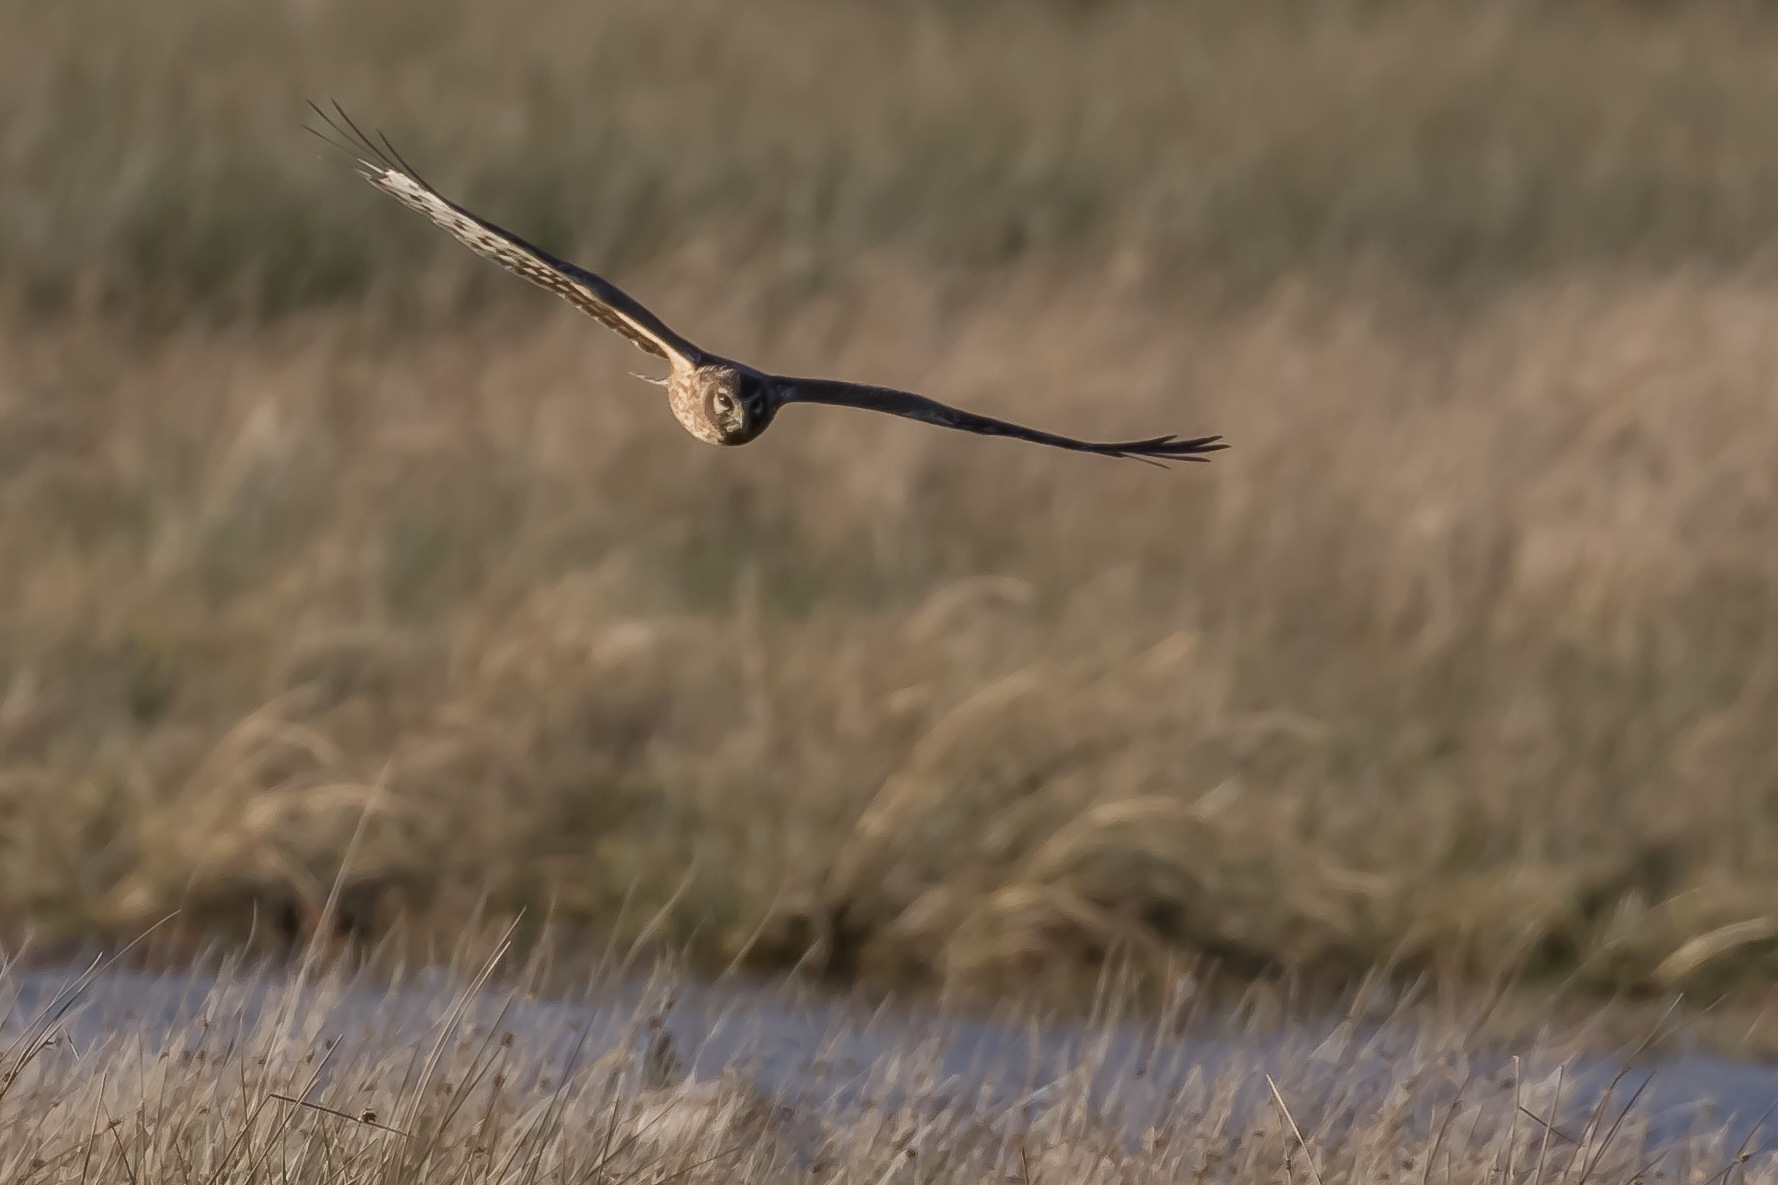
x: 459, y: 1073
x: 1022, y: 824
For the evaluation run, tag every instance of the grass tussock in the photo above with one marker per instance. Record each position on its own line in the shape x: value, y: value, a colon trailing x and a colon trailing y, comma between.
x: 464, y: 1075
x: 1461, y: 660
x: 152, y: 158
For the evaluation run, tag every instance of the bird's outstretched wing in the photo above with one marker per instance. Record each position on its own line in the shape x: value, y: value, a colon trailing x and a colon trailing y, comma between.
x: 1155, y: 449
x: 384, y: 168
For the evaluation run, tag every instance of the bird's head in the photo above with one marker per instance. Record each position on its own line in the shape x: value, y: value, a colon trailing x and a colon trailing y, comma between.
x: 736, y: 406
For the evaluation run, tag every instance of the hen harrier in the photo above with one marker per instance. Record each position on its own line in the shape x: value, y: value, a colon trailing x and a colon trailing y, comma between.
x: 718, y: 400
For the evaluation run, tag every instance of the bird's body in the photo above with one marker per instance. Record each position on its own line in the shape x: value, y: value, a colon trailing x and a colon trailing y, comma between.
x: 718, y: 400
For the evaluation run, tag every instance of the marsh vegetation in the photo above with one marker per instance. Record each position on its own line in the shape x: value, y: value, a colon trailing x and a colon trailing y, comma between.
x: 1462, y: 660
x: 458, y: 1072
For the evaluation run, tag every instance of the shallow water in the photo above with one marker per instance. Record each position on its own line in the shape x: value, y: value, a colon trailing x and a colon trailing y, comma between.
x: 842, y: 1060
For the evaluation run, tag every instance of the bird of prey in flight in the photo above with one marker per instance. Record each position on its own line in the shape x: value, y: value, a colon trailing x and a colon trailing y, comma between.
x: 718, y: 400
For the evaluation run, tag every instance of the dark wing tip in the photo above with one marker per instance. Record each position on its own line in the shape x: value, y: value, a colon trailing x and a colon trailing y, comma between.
x: 344, y: 134
x: 1157, y: 449
x: 335, y: 137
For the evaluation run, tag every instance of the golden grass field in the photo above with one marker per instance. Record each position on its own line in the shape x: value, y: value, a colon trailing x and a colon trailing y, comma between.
x: 1463, y: 659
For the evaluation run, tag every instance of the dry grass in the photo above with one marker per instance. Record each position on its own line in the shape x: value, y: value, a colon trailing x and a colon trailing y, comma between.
x: 1463, y: 658
x: 152, y: 155
x: 463, y: 1077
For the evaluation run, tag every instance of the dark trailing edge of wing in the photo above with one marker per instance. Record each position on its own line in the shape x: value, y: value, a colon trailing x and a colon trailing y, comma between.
x: 1155, y: 450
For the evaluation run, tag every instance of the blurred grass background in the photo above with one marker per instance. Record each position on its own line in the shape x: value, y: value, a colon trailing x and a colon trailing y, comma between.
x: 1463, y: 658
